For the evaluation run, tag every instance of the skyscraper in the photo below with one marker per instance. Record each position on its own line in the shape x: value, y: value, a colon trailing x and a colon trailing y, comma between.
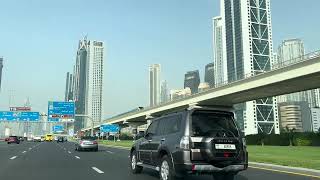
x: 247, y: 37
x: 290, y: 51
x: 209, y: 74
x: 88, y: 82
x: 154, y: 84
x: 1, y: 66
x: 218, y: 49
x: 192, y: 80
x: 164, y: 92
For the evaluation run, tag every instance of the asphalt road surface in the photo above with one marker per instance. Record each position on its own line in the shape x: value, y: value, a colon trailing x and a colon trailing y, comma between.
x: 52, y: 161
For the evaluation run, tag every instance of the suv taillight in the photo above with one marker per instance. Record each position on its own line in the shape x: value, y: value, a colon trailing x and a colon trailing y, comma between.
x: 81, y: 142
x: 185, y: 143
x: 95, y: 142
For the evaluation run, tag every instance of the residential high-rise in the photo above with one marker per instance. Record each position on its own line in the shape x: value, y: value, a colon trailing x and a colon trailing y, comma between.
x: 154, y: 84
x: 1, y: 66
x: 291, y: 51
x: 295, y: 116
x: 203, y: 87
x: 192, y: 80
x: 247, y: 51
x: 219, y: 68
x: 209, y: 74
x: 180, y: 93
x: 315, y: 116
x: 164, y: 92
x: 88, y: 82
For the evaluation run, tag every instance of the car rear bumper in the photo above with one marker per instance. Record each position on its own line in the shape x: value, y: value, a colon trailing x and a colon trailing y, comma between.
x: 88, y: 146
x: 208, y: 168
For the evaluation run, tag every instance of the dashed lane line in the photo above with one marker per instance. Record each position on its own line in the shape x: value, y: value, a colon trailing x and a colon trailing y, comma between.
x: 110, y: 152
x: 12, y: 158
x: 97, y: 170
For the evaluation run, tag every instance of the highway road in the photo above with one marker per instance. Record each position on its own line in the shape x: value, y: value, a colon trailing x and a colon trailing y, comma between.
x: 52, y: 161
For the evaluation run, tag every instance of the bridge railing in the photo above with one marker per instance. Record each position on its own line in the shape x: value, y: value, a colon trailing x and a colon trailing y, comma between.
x: 274, y: 67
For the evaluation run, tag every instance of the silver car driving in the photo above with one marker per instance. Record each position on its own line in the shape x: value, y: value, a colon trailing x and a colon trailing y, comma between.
x: 87, y: 143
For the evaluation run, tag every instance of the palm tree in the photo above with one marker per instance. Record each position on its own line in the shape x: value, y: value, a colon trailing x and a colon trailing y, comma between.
x: 290, y: 134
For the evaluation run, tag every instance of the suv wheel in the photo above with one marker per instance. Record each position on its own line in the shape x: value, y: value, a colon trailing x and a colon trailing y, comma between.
x: 223, y: 177
x: 166, y: 169
x: 134, y: 167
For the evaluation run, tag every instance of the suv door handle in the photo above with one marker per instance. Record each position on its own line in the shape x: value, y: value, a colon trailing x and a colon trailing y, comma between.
x: 163, y: 139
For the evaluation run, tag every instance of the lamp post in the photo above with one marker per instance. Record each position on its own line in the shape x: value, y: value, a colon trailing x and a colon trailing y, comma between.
x: 89, y: 117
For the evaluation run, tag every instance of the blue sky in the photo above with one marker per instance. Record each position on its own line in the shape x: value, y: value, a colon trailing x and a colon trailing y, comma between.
x: 38, y: 40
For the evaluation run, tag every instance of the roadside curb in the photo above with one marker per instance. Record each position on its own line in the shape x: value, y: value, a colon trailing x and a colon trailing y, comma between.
x: 286, y: 169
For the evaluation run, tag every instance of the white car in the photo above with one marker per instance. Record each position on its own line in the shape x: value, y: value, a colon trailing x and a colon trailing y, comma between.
x: 37, y: 139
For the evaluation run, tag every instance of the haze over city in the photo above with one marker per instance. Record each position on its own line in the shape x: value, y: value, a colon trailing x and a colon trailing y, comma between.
x: 39, y: 42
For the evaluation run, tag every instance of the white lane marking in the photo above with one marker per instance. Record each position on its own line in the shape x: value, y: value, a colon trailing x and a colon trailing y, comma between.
x: 77, y: 157
x: 110, y: 152
x: 12, y: 158
x: 24, y: 152
x: 69, y: 152
x: 98, y: 170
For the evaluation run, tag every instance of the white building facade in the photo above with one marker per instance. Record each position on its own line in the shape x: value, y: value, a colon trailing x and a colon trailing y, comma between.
x: 315, y: 118
x: 218, y: 60
x: 95, y: 81
x: 154, y: 84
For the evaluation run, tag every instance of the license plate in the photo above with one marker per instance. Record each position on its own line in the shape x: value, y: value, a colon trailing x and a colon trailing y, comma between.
x: 225, y: 146
x: 89, y: 143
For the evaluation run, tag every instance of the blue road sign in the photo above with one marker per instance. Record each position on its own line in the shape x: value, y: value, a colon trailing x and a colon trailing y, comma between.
x: 111, y: 128
x: 19, y: 116
x: 57, y: 111
x: 57, y: 128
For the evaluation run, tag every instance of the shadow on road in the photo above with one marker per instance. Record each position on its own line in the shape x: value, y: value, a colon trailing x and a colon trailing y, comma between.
x: 154, y: 174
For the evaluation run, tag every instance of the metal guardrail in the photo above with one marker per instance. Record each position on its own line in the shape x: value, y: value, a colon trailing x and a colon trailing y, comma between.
x: 274, y: 67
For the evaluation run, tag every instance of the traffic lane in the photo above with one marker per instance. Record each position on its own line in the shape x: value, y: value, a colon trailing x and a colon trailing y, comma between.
x: 48, y: 161
x: 11, y: 152
x: 115, y: 163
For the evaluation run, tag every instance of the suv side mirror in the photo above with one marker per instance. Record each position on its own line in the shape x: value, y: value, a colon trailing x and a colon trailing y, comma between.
x: 148, y: 135
x: 139, y: 135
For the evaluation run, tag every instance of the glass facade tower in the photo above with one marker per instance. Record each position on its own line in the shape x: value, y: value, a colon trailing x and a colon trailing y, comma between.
x: 247, y: 36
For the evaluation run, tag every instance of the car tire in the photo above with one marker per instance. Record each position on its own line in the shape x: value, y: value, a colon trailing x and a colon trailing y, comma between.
x: 223, y: 176
x: 96, y: 149
x: 166, y: 169
x: 133, y: 163
x: 8, y: 143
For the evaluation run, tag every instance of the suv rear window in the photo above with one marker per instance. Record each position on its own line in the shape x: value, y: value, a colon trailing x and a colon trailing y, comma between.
x: 213, y: 124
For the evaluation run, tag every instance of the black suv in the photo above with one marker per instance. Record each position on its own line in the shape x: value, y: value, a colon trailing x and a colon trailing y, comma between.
x: 198, y: 140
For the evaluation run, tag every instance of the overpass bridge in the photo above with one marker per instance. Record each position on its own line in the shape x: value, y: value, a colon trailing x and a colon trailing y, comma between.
x: 295, y: 75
